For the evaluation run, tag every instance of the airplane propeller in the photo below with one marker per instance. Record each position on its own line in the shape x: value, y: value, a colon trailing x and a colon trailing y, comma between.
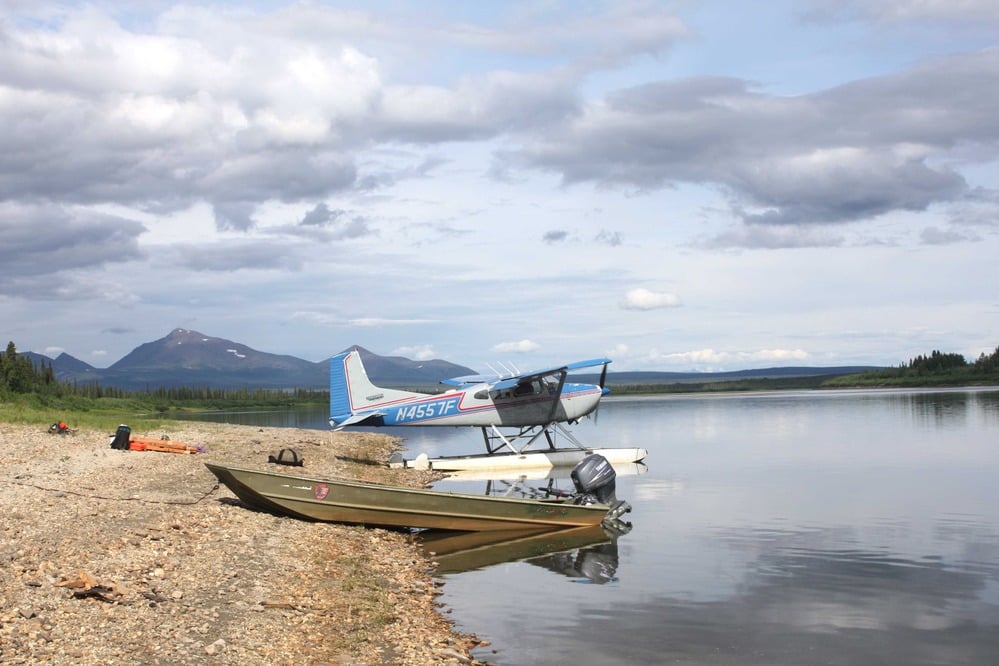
x: 603, y: 379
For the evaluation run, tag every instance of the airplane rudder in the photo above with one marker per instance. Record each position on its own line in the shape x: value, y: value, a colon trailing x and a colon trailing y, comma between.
x: 339, y: 394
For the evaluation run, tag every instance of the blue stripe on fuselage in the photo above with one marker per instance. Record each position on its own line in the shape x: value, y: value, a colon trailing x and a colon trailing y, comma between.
x: 446, y: 406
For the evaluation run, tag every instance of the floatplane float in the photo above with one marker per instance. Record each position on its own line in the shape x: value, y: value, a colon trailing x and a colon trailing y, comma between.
x: 536, y: 474
x: 518, y: 413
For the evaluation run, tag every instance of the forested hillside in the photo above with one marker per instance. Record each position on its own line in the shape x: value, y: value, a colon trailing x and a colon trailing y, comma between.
x: 937, y: 369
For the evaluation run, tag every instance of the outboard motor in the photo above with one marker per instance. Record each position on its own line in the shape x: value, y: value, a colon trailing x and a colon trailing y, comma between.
x: 594, y: 479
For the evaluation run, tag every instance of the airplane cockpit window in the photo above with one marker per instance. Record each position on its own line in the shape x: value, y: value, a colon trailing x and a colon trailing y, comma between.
x: 533, y: 387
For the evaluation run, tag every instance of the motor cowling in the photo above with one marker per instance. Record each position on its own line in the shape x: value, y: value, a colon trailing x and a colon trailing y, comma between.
x: 595, y: 480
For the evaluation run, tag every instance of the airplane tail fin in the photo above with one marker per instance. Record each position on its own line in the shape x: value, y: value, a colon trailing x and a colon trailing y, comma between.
x: 354, y: 400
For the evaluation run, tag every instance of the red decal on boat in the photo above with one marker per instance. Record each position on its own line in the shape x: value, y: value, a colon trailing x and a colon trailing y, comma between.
x: 321, y: 490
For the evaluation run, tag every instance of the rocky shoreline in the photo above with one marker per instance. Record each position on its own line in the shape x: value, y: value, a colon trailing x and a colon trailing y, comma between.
x: 128, y: 557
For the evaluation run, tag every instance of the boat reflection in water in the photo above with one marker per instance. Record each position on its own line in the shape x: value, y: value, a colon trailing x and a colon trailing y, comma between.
x: 595, y: 564
x: 586, y: 553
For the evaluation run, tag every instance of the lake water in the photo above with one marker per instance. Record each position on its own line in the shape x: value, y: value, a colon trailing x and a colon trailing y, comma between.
x: 847, y: 527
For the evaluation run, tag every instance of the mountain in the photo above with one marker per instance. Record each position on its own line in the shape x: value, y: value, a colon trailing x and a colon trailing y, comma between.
x: 62, y: 365
x: 189, y: 358
x: 399, y: 370
x: 191, y: 350
x: 66, y: 363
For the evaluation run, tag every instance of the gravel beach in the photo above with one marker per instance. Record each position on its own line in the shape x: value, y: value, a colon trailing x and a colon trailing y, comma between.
x: 128, y: 557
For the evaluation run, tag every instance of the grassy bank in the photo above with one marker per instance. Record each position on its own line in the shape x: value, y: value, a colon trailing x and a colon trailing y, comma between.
x: 893, y: 379
x: 78, y: 411
x: 138, y: 410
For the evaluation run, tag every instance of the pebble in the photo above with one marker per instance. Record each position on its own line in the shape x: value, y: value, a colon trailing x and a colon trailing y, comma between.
x: 172, y: 573
x: 216, y: 647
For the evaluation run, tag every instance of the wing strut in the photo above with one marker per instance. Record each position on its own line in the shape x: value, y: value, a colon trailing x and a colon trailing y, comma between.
x: 558, y: 395
x: 496, y: 440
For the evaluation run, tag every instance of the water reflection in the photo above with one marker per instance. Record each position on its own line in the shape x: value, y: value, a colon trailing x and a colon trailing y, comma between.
x: 923, y: 406
x: 802, y: 596
x: 584, y: 553
x: 846, y: 527
x: 594, y: 564
x: 801, y: 605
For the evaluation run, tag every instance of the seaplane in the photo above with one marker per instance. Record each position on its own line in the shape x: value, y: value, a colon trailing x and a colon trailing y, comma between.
x: 521, y: 415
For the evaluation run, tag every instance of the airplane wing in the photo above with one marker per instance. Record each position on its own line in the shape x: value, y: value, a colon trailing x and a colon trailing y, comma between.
x: 499, y: 382
x: 469, y: 380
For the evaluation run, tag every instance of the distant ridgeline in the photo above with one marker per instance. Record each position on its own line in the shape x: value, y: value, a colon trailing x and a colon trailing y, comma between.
x: 759, y: 379
x: 34, y: 374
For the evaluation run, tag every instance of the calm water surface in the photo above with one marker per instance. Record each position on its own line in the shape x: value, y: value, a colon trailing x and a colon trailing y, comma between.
x: 852, y: 527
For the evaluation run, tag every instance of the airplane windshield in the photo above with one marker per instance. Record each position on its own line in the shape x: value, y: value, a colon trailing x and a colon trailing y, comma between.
x: 535, y: 386
x: 538, y: 386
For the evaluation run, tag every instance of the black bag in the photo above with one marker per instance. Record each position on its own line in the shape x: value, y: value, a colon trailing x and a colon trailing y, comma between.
x: 287, y: 457
x: 121, y: 437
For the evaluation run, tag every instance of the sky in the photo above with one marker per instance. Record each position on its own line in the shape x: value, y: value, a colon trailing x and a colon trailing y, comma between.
x: 677, y: 185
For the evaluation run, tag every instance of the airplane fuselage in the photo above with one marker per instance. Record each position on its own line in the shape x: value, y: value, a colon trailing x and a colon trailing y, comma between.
x: 530, y: 400
x: 480, y: 407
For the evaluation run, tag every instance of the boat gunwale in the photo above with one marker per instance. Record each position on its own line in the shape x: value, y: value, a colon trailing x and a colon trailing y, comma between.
x: 430, y: 492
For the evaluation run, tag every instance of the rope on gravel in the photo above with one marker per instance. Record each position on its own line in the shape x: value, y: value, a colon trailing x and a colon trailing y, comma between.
x: 200, y: 499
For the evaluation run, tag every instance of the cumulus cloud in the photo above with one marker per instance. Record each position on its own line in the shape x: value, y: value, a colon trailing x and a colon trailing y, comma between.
x: 236, y: 254
x: 234, y: 215
x: 938, y: 236
x: 772, y: 237
x: 520, y: 346
x: 320, y: 216
x: 709, y: 359
x: 644, y: 299
x: 779, y: 355
x: 619, y: 350
x: 847, y: 153
x: 323, y: 225
x: 612, y: 238
x: 332, y: 319
x: 967, y: 12
x: 238, y: 108
x: 242, y: 138
x: 418, y: 352
x: 40, y: 240
x: 226, y: 106
x: 385, y: 321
